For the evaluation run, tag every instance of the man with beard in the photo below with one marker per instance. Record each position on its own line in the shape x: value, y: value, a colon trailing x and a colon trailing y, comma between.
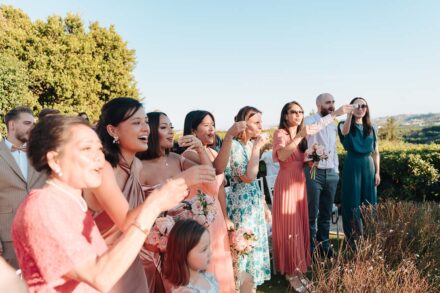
x: 321, y: 190
x: 17, y: 176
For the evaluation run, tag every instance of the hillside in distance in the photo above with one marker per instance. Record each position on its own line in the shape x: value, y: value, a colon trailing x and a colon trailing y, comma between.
x: 411, y: 120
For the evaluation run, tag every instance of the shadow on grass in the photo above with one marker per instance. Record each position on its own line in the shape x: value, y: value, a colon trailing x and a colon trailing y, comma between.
x: 279, y: 284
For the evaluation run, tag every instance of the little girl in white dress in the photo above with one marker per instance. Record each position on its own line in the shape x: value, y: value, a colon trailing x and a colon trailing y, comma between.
x: 187, y: 257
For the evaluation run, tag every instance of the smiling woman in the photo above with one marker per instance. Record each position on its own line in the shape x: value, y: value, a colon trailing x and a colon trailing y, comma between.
x: 160, y: 165
x: 58, y: 244
x: 70, y: 254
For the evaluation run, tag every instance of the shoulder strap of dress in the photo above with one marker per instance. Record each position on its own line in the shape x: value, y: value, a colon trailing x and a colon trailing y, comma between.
x: 182, y: 161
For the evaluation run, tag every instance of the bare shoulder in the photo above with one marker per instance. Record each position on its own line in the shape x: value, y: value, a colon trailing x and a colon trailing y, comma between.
x: 191, y: 154
x: 174, y: 156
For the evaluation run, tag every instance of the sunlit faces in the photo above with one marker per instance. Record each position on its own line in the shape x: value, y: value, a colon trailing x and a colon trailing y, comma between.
x: 166, y: 132
x: 327, y: 104
x: 22, y: 126
x: 133, y: 132
x: 360, y: 108
x: 295, y: 115
x: 206, y: 131
x: 200, y: 256
x: 81, y: 159
x: 254, y: 124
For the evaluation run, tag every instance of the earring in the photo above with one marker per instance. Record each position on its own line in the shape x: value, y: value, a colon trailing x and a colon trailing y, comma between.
x: 116, y: 140
x: 59, y: 173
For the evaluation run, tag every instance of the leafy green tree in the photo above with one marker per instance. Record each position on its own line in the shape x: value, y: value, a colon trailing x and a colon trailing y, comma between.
x: 14, y: 88
x: 69, y: 67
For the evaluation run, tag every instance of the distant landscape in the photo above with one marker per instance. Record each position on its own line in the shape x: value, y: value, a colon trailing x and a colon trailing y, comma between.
x: 430, y: 119
x: 412, y: 128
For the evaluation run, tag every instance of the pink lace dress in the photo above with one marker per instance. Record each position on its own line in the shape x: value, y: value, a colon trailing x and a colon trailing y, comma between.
x: 52, y: 235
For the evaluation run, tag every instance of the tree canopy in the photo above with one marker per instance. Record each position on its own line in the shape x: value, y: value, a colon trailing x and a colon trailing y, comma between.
x: 60, y: 63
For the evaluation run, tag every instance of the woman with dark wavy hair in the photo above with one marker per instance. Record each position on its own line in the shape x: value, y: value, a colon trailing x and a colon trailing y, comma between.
x: 361, y: 172
x: 159, y: 165
x: 123, y: 129
x: 56, y: 239
x: 201, y: 124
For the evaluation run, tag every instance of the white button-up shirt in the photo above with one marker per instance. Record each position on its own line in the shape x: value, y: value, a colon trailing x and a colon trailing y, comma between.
x: 325, y: 137
x: 21, y: 159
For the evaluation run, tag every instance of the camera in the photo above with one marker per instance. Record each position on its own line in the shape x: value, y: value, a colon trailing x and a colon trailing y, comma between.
x: 356, y: 106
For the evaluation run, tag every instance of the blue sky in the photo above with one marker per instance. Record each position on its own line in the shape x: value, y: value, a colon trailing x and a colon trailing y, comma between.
x: 222, y: 55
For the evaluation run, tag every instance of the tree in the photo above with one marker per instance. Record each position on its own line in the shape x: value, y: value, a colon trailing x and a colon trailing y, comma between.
x: 14, y: 87
x: 69, y: 67
x: 389, y: 131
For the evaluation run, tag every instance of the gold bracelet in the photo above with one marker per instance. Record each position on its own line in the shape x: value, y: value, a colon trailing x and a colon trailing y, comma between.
x: 140, y: 227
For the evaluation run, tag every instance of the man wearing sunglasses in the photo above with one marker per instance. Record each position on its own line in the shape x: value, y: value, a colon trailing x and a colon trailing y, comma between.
x: 321, y: 190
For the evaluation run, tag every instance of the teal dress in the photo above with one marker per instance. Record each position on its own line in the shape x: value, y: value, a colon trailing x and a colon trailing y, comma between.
x: 358, y: 180
x: 244, y: 205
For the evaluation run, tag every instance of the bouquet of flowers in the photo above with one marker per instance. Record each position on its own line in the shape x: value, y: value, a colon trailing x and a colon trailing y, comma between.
x: 314, y: 155
x: 158, y: 237
x: 202, y: 209
x: 242, y: 240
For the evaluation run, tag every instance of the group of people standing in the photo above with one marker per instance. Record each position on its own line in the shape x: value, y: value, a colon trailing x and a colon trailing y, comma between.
x: 302, y: 205
x: 77, y: 203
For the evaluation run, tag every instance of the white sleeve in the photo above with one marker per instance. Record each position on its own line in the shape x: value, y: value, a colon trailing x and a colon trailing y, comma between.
x: 324, y: 121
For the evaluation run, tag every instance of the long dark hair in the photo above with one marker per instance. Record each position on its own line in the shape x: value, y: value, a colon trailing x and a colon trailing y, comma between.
x: 112, y: 113
x: 153, y: 150
x: 366, y: 121
x: 193, y: 120
x: 284, y: 124
x: 184, y: 236
x: 244, y: 114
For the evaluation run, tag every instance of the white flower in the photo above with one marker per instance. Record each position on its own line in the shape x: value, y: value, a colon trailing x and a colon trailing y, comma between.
x: 164, y: 224
x: 320, y: 151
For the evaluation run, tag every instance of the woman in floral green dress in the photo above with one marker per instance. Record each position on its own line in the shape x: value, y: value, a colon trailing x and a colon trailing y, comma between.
x: 246, y: 206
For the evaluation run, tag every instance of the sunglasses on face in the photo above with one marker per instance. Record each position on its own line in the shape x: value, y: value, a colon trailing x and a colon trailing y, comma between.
x: 295, y: 112
x: 359, y: 106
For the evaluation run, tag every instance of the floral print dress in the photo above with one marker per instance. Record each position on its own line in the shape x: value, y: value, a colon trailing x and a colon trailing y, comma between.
x: 245, y: 208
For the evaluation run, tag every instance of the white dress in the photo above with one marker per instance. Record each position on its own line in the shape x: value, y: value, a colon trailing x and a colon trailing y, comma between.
x: 193, y: 289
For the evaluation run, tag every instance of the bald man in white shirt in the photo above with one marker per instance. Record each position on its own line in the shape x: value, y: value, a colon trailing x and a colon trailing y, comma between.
x: 321, y: 190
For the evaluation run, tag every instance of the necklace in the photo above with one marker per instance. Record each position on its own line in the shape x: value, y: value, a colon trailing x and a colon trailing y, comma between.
x: 166, y: 160
x: 79, y: 200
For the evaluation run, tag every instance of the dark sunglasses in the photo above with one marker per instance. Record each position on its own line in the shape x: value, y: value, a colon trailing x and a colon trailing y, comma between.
x: 358, y: 106
x: 295, y: 112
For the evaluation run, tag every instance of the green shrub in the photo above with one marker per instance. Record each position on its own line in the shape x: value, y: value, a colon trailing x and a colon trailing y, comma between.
x: 408, y: 171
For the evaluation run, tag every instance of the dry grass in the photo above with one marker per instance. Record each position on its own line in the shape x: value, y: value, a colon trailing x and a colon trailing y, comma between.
x: 400, y: 252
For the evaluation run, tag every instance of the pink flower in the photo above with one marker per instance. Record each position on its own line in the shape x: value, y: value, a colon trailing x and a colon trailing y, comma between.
x: 164, y: 224
x: 209, y: 200
x: 153, y: 238
x: 240, y: 246
x: 163, y: 243
x: 201, y: 219
x: 210, y: 217
x: 243, y: 240
x: 186, y: 214
x: 197, y: 208
x: 320, y: 150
